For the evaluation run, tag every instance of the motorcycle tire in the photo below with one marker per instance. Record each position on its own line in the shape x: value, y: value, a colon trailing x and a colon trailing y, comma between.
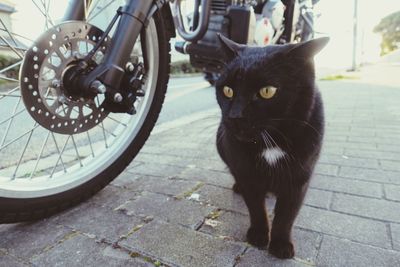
x: 84, y: 163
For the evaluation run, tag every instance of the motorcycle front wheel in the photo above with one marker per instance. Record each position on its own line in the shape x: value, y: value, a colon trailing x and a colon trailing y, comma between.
x: 45, y: 169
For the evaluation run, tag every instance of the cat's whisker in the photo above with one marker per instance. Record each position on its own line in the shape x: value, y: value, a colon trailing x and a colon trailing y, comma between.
x: 299, y: 121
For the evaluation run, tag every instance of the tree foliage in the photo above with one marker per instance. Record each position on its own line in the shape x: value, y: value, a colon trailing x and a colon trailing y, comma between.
x: 389, y: 28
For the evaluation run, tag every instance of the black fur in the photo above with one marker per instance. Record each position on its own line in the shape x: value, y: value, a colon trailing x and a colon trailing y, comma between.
x: 292, y: 120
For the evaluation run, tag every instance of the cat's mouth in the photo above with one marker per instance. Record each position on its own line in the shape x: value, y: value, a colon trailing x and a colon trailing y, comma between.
x: 246, y: 136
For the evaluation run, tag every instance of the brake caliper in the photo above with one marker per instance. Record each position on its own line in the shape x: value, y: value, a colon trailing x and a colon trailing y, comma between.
x: 123, y: 101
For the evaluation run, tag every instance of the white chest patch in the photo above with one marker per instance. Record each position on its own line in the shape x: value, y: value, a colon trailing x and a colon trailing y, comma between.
x: 273, y: 155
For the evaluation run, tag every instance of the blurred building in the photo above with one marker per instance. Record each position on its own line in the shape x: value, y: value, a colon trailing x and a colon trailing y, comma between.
x: 7, y: 8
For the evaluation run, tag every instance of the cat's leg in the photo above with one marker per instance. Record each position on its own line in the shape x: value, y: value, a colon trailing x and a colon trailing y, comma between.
x: 236, y: 188
x: 258, y: 233
x: 286, y: 209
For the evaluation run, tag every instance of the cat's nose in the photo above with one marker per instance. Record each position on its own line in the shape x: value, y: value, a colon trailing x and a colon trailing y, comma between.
x: 240, y: 124
x: 235, y: 114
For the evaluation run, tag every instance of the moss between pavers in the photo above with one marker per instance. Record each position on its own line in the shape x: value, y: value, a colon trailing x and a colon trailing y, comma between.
x: 338, y: 77
x: 190, y: 192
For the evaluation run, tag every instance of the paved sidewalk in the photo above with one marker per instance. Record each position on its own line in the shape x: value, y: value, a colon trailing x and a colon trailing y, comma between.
x: 173, y: 206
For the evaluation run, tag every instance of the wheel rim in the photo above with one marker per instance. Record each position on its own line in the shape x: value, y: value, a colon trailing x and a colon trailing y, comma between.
x: 36, y: 162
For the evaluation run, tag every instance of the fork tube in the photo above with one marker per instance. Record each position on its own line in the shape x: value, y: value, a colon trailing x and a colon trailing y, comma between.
x: 76, y: 10
x: 133, y: 18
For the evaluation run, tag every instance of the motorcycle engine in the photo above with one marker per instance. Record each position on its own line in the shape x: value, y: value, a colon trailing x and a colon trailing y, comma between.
x: 236, y: 21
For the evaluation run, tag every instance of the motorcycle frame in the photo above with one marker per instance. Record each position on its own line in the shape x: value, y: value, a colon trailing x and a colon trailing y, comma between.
x: 133, y: 17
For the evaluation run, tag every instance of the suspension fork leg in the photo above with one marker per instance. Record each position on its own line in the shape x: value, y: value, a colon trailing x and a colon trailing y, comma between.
x: 132, y: 20
x: 76, y: 10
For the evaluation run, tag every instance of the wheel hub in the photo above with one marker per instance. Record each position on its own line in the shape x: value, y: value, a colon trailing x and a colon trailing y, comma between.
x: 48, y: 77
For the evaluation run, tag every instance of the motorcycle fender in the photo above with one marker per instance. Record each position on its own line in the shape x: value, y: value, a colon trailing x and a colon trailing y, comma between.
x: 167, y: 16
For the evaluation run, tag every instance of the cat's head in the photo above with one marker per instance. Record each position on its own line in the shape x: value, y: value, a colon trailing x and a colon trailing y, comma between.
x: 263, y: 86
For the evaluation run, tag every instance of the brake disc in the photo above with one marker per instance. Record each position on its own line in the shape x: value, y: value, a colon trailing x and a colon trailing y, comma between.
x: 43, y: 90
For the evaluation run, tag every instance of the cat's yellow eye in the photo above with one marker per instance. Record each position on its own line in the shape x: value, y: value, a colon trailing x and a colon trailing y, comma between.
x: 228, y: 92
x: 267, y: 92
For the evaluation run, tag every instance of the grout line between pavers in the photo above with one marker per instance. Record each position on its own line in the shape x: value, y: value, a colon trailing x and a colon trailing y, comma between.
x: 389, y: 232
x: 238, y: 257
x: 16, y: 258
x: 358, y: 179
x: 331, y: 199
x: 354, y: 215
x: 345, y: 193
x: 344, y: 238
x: 319, y: 247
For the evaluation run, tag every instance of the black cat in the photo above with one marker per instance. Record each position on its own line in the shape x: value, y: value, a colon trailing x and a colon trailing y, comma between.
x: 271, y: 132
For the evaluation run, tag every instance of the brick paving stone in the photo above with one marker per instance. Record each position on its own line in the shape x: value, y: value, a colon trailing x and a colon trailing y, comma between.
x: 390, y: 165
x: 261, y: 258
x: 28, y: 239
x: 228, y: 224
x: 395, y: 231
x: 378, y: 140
x: 80, y: 250
x: 155, y: 169
x: 339, y: 252
x: 211, y: 163
x: 352, y: 227
x: 161, y: 185
x: 318, y: 198
x: 125, y: 178
x: 349, y: 161
x: 332, y: 150
x: 306, y: 245
x: 370, y: 175
x: 392, y: 192
x: 344, y: 185
x: 180, y: 211
x: 112, y: 197
x: 326, y: 169
x: 372, y: 154
x: 222, y: 198
x: 367, y: 207
x: 9, y: 261
x: 181, y: 246
x: 389, y: 148
x: 103, y: 223
x: 218, y: 178
x: 353, y: 145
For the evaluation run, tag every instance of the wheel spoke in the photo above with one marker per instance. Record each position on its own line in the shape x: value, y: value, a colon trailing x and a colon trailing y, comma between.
x: 76, y: 150
x: 9, y: 92
x: 23, y: 152
x: 90, y: 143
x: 7, y: 78
x: 13, y: 116
x: 117, y: 121
x: 60, y: 157
x: 10, y: 122
x: 11, y: 47
x: 104, y: 134
x: 17, y: 138
x: 44, y: 12
x: 101, y: 10
x: 11, y: 67
x: 58, y: 151
x: 40, y: 155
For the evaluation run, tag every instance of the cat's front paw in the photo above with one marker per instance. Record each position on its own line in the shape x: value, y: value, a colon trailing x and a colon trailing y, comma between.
x: 257, y: 237
x: 282, y: 249
x: 236, y: 188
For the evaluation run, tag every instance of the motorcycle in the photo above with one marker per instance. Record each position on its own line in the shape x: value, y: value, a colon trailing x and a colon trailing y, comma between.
x: 90, y: 88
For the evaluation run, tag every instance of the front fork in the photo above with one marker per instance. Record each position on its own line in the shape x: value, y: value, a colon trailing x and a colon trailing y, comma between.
x: 133, y: 17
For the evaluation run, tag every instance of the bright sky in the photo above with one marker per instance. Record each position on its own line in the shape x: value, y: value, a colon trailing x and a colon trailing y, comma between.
x: 335, y: 20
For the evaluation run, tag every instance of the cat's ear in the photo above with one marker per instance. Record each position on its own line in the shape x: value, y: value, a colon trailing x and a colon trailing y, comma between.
x: 229, y: 47
x: 307, y: 50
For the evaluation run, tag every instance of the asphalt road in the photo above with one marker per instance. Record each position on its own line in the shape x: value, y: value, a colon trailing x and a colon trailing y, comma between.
x: 186, y: 96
